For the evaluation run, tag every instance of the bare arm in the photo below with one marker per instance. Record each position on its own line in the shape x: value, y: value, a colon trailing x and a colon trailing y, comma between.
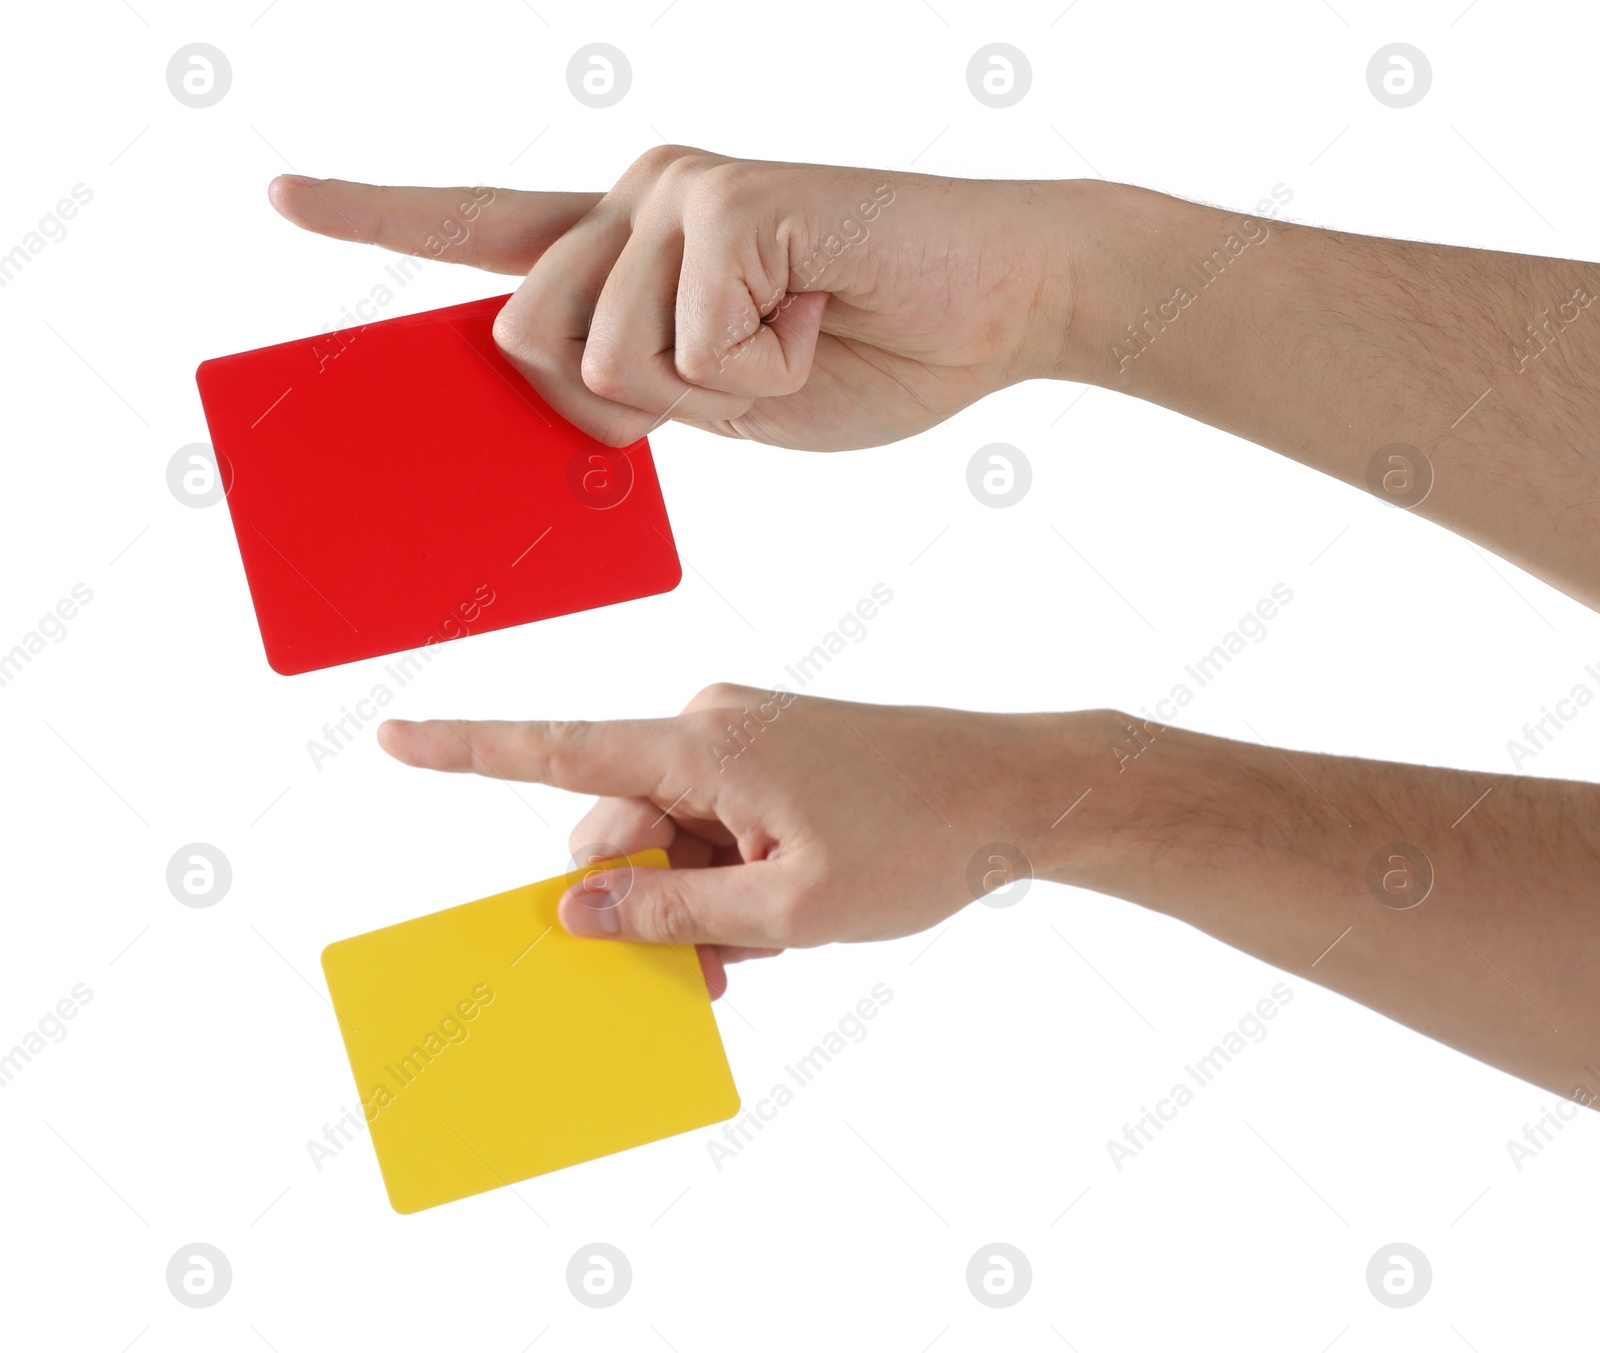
x: 1464, y: 905
x: 1354, y: 354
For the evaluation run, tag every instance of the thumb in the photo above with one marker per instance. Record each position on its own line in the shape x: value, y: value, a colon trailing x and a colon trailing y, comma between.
x: 731, y: 339
x: 738, y: 904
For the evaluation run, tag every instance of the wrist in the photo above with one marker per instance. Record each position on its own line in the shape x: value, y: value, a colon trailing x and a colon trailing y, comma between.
x: 1104, y: 238
x: 1146, y: 812
x: 1077, y: 811
x: 1135, y: 262
x: 1201, y: 828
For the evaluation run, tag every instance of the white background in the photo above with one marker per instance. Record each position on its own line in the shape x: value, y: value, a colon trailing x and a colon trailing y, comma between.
x: 179, y: 1106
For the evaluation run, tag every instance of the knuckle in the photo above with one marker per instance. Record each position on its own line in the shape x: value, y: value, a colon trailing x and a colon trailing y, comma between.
x: 564, y: 742
x: 693, y: 178
x: 512, y: 335
x: 720, y: 695
x: 665, y: 917
x: 653, y: 163
x: 604, y: 372
x: 616, y: 431
x: 701, y: 363
x: 677, y: 178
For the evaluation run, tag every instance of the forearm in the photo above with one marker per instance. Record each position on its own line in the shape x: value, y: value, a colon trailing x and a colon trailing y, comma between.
x: 1330, y: 347
x: 1288, y: 857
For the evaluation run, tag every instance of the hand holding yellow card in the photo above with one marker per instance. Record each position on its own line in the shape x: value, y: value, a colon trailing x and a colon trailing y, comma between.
x: 489, y: 1045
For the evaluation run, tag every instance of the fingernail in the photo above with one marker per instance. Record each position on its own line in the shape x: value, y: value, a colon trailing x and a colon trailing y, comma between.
x: 590, y: 910
x: 299, y: 178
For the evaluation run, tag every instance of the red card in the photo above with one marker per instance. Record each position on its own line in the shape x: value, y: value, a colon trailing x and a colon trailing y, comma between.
x: 399, y: 484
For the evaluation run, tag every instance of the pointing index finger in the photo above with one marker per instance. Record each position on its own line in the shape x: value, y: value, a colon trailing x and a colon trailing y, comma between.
x: 621, y: 758
x: 497, y: 229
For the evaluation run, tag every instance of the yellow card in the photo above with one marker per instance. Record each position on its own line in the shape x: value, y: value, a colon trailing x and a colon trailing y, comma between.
x: 489, y: 1045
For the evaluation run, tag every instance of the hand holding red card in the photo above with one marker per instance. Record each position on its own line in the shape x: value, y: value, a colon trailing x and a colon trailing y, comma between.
x: 400, y: 484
